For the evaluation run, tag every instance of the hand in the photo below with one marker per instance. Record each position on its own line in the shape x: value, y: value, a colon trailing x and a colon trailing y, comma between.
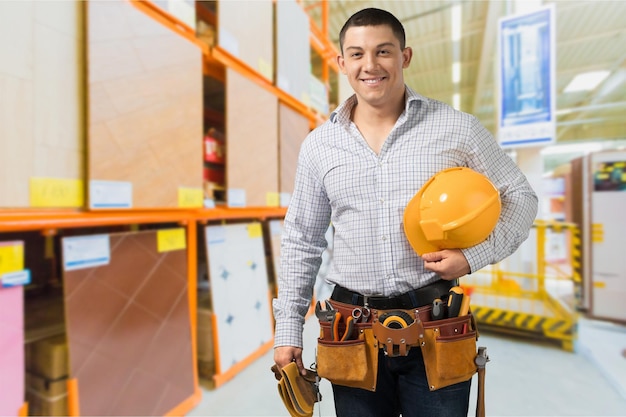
x: 283, y: 355
x: 449, y: 264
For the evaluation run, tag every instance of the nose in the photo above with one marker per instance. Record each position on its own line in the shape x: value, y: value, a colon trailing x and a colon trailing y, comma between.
x: 371, y: 62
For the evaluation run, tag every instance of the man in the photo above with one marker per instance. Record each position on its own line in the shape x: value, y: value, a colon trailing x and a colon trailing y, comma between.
x: 358, y: 171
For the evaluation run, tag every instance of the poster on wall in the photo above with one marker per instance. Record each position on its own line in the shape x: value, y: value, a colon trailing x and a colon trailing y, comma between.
x: 527, y: 97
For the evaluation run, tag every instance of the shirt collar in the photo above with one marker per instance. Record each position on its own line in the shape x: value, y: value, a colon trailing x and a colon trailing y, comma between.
x: 342, y: 112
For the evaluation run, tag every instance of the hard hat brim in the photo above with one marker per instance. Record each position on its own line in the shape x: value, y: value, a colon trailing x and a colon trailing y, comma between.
x: 413, y: 229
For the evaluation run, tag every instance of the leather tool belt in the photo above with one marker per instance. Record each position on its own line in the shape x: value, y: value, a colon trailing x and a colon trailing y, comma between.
x: 354, y: 327
x: 448, y: 345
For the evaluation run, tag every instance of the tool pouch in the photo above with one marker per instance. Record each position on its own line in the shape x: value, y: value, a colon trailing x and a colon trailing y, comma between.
x: 449, y: 350
x: 448, y: 345
x: 353, y: 362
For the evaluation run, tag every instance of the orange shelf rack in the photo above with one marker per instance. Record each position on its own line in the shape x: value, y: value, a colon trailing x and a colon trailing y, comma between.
x: 48, y: 222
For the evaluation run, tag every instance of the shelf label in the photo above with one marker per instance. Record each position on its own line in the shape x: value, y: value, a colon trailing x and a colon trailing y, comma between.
x: 272, y: 199
x: 266, y: 69
x: 171, y: 239
x: 215, y: 235
x: 110, y: 194
x: 285, y: 198
x: 86, y: 252
x: 255, y: 230
x: 190, y: 197
x: 56, y: 192
x: 276, y: 228
x: 11, y: 257
x: 236, y: 197
x: 14, y: 279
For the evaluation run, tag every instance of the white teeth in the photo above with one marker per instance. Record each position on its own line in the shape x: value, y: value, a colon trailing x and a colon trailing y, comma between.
x: 372, y: 81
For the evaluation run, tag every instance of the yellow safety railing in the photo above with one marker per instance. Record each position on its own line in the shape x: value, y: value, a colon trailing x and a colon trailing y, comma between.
x: 533, y: 297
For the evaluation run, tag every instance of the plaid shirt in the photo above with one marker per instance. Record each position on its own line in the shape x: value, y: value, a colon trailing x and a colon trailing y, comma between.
x: 340, y: 179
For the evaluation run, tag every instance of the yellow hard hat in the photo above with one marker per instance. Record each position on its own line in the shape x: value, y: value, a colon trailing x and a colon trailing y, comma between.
x: 456, y: 208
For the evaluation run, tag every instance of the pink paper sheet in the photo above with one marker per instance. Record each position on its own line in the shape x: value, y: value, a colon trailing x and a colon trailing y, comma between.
x: 11, y: 350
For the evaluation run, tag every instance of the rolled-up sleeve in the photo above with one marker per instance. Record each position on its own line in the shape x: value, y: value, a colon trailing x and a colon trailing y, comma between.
x: 519, y: 201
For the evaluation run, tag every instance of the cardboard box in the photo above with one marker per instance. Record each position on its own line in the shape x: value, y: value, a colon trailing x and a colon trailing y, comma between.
x: 46, y: 397
x: 206, y: 351
x: 41, y: 405
x: 48, y: 357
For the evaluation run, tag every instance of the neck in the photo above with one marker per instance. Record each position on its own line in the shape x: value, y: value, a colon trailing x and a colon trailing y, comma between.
x: 364, y: 111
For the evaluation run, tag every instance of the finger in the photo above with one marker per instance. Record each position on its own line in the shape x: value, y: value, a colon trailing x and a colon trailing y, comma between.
x: 432, y: 256
x: 300, y: 365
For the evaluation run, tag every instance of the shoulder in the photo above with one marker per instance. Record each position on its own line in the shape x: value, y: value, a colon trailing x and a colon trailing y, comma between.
x: 444, y: 110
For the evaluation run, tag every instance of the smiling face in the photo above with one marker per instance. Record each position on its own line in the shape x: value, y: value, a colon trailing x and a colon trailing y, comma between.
x: 373, y: 61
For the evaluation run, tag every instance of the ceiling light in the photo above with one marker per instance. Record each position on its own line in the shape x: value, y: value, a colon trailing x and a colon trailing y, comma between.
x: 456, y: 101
x: 456, y: 23
x: 456, y: 72
x: 586, y: 81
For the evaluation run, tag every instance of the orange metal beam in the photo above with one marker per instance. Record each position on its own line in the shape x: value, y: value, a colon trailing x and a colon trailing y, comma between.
x: 170, y: 21
x: 213, y: 68
x: 46, y: 220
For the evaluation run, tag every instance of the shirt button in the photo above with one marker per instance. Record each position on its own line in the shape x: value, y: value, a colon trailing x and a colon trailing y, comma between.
x: 384, y: 237
x: 382, y: 200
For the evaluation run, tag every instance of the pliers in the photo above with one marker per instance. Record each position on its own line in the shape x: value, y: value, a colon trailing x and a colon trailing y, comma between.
x: 349, y: 328
x: 326, y: 312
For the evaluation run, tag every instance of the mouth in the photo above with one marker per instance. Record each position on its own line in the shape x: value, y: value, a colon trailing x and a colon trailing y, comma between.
x: 373, y: 81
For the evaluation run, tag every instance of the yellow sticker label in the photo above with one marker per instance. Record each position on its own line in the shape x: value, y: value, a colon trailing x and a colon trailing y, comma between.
x: 190, y: 197
x: 255, y: 230
x: 597, y: 233
x: 599, y: 284
x: 306, y: 99
x: 55, y: 192
x: 171, y: 239
x: 266, y: 69
x: 11, y: 257
x: 272, y: 199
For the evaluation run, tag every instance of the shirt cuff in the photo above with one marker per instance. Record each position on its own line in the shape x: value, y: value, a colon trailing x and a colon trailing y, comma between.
x: 288, y: 333
x: 478, y: 256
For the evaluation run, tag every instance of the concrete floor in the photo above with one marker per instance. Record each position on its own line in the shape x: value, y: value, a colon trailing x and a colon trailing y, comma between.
x: 524, y: 378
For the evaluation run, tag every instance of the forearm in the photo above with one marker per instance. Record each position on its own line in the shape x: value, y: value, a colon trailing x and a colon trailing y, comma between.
x: 519, y: 209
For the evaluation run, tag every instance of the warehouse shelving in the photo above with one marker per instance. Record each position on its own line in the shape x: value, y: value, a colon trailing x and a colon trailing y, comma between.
x: 56, y: 221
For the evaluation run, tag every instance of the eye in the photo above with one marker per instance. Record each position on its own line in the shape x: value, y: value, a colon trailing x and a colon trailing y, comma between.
x: 356, y: 55
x: 383, y: 52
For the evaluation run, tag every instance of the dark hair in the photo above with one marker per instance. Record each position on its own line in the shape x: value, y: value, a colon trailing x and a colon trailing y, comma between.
x: 374, y: 17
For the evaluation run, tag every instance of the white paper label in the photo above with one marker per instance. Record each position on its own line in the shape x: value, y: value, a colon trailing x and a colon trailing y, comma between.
x: 236, y: 197
x: 86, y: 252
x: 13, y: 279
x: 110, y: 194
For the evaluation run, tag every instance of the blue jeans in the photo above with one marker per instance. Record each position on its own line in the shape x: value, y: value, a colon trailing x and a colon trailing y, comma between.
x: 402, y: 389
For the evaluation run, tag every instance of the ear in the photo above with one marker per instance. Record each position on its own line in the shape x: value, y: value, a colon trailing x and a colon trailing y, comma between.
x: 407, y: 54
x: 341, y: 64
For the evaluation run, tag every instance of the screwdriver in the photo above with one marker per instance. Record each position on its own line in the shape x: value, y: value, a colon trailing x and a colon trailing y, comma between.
x: 455, y: 301
x: 465, y: 304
